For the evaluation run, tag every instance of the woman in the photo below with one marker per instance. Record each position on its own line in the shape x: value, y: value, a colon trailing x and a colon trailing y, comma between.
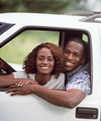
x: 44, y: 65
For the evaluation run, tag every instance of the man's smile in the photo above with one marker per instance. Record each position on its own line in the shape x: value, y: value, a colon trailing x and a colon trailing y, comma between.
x: 68, y: 63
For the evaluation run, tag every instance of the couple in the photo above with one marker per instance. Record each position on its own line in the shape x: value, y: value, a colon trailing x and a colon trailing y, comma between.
x: 45, y: 65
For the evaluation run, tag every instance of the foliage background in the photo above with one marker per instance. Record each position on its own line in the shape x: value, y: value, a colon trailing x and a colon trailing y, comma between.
x: 41, y: 6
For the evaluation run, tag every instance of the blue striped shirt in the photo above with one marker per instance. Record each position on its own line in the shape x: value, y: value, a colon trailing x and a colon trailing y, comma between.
x: 79, y: 80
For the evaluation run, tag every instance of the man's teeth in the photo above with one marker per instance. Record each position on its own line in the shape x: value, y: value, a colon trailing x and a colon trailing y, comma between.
x: 45, y: 67
x: 68, y: 64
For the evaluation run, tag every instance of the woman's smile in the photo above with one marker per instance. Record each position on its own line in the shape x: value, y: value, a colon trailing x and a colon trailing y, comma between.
x: 44, y: 61
x: 45, y: 67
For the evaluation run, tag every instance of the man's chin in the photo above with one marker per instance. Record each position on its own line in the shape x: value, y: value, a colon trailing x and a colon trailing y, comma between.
x: 68, y: 69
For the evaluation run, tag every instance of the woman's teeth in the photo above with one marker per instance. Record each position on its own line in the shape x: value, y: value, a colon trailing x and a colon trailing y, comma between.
x: 45, y: 67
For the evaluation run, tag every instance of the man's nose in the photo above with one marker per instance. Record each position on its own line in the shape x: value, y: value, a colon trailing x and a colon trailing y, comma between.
x: 70, y: 57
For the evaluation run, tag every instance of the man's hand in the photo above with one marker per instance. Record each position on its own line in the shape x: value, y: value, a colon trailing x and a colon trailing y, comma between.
x: 22, y: 90
x: 3, y: 64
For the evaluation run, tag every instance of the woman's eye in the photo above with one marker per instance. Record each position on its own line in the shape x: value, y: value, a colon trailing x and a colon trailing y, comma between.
x: 40, y: 58
x: 50, y: 59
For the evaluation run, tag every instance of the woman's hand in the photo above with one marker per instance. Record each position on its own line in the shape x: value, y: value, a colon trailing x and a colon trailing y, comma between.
x: 23, y: 87
x: 21, y: 90
x: 25, y: 81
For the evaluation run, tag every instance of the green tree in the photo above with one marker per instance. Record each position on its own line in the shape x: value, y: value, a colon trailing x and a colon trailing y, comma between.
x: 36, y: 6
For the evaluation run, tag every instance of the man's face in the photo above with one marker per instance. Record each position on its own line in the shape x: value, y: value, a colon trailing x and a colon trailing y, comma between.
x: 73, y: 53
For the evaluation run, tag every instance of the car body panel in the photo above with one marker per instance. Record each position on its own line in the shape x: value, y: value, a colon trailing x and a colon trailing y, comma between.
x: 31, y: 107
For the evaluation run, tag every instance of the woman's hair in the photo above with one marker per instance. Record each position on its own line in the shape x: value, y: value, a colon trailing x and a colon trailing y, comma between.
x: 30, y: 60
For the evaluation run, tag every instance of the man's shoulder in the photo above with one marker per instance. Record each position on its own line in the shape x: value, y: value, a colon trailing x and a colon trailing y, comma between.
x: 83, y: 74
x: 80, y: 71
x: 80, y: 80
x: 79, y: 77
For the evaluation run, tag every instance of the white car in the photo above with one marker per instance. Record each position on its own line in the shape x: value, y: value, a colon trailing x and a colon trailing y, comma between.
x: 56, y: 29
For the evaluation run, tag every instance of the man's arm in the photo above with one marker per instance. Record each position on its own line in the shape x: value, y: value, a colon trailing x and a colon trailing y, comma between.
x: 9, y: 80
x: 68, y: 99
x: 6, y: 67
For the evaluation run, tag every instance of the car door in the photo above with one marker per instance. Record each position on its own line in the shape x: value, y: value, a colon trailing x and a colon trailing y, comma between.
x: 31, y: 107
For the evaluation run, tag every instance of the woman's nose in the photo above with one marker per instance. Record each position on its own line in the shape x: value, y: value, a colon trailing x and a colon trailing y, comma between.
x: 45, y: 61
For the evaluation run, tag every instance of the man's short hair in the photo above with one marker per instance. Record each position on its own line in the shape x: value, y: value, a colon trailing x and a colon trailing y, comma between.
x: 82, y: 42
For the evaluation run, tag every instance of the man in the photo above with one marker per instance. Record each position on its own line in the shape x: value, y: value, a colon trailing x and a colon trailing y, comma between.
x: 77, y: 76
x: 5, y: 68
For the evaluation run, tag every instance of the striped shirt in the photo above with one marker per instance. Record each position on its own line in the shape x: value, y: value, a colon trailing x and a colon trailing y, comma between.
x: 78, y: 79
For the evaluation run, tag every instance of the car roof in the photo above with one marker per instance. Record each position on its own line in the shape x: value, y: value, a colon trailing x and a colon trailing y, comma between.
x: 14, y: 18
x: 73, y: 16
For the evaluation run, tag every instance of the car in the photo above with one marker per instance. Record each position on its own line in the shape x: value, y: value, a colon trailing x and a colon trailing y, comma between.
x: 20, y: 33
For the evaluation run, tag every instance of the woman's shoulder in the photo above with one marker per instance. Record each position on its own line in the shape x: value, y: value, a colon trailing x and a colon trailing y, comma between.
x: 58, y: 83
x: 59, y: 77
x: 31, y: 76
x: 62, y: 74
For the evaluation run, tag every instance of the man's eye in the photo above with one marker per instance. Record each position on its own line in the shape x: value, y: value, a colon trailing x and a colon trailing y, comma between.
x: 66, y: 51
x: 76, y: 55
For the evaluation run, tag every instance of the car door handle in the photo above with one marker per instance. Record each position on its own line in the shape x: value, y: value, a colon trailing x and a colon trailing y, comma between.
x: 86, y: 113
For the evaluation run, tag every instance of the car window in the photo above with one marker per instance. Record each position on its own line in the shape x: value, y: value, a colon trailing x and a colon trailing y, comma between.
x: 17, y: 49
x: 85, y: 38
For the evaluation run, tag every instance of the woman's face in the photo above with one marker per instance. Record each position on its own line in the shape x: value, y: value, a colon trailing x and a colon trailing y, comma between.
x: 44, y: 61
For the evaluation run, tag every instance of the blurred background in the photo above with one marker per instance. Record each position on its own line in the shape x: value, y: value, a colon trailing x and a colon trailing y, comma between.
x: 10, y: 52
x: 49, y: 6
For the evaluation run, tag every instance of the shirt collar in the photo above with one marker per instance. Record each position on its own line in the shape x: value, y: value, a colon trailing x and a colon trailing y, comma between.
x: 75, y: 71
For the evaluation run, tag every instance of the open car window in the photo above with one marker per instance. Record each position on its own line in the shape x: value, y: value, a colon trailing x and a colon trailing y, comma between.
x: 19, y: 47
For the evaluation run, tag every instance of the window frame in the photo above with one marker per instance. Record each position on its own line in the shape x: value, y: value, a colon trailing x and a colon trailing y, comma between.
x: 61, y: 40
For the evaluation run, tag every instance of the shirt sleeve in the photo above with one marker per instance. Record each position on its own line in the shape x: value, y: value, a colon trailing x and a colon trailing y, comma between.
x: 80, y: 81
